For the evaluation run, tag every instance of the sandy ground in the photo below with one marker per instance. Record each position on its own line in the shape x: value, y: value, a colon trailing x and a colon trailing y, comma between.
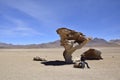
x: 17, y: 64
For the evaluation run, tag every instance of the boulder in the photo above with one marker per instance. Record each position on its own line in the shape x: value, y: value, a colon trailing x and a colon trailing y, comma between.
x: 92, y: 54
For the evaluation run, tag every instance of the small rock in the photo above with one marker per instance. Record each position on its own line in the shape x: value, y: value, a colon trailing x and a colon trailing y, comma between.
x: 37, y: 58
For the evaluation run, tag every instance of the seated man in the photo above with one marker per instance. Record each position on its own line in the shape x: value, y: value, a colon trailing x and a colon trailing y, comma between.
x: 82, y: 63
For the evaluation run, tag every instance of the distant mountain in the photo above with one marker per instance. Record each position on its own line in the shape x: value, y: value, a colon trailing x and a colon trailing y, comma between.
x: 54, y: 44
x: 96, y: 42
x: 5, y: 45
x: 115, y: 41
x: 101, y: 42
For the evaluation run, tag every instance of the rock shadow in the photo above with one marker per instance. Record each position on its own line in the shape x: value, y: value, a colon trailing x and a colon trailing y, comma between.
x: 55, y: 63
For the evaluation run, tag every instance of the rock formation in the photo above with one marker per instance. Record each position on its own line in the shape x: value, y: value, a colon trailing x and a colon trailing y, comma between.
x: 71, y: 41
x: 92, y: 54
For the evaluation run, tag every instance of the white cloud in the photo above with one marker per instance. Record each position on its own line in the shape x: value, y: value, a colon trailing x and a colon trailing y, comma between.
x: 20, y: 29
x: 26, y: 31
x: 36, y: 10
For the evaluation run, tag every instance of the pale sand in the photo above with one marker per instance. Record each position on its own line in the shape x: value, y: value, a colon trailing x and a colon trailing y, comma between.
x: 17, y: 64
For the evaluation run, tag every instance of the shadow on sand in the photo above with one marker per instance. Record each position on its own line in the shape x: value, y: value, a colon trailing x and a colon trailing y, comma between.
x: 55, y: 63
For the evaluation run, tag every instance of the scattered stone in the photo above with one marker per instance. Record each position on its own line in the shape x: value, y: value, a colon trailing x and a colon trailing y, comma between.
x: 76, y: 65
x: 37, y: 58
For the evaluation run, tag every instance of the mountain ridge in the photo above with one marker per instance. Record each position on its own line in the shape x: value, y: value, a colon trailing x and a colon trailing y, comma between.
x: 96, y: 42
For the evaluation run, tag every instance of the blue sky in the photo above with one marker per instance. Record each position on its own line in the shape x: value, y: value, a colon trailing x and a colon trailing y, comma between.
x: 36, y: 21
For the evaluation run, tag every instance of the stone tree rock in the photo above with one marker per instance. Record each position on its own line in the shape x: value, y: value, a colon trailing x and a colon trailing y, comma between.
x: 71, y: 41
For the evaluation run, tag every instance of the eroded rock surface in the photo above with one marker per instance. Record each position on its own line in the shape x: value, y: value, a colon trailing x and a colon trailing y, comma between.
x: 71, y: 40
x: 92, y: 54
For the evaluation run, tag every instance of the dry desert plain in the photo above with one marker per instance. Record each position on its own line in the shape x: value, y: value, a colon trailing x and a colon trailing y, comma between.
x: 18, y: 64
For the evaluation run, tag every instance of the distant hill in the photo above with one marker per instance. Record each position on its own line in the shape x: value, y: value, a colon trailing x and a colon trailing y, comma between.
x: 54, y: 44
x: 115, y: 41
x: 101, y: 43
x: 5, y: 45
x: 96, y: 42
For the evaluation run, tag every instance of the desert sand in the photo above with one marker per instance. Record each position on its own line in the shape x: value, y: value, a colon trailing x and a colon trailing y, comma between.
x: 18, y: 64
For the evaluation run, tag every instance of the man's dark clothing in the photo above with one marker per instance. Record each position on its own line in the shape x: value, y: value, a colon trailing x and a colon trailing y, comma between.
x: 83, y: 62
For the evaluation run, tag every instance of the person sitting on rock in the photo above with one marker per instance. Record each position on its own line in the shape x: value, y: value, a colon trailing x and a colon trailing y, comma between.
x: 82, y: 63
